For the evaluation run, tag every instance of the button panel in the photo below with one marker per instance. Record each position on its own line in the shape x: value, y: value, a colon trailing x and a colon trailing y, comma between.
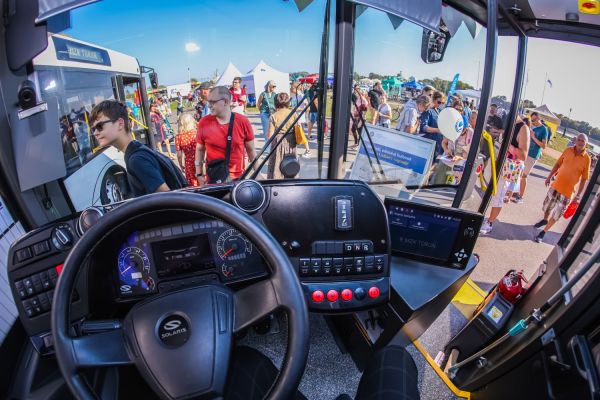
x: 341, y: 266
x: 346, y: 295
x: 337, y: 248
x: 36, y: 291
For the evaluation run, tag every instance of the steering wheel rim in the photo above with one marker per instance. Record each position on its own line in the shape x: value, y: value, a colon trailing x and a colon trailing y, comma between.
x: 286, y: 289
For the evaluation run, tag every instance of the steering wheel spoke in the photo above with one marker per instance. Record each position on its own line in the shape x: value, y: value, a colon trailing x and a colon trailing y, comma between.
x: 253, y: 303
x: 101, y: 350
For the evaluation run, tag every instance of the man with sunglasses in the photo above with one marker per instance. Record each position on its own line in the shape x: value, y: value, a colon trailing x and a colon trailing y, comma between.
x: 110, y: 126
x: 429, y: 122
x: 212, y: 136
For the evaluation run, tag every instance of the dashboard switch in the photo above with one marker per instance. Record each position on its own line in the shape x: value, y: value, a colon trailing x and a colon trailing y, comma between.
x: 318, y: 296
x: 332, y: 295
x: 346, y: 294
x: 360, y: 293
x: 23, y: 254
x: 374, y: 292
x: 20, y: 289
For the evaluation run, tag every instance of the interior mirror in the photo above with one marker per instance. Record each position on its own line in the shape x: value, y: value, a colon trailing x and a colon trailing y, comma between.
x: 434, y: 44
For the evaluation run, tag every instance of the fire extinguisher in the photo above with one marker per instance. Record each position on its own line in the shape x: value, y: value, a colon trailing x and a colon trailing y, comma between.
x: 510, y: 286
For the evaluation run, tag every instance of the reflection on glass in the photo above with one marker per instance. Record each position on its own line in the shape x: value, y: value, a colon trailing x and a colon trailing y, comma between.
x: 426, y: 83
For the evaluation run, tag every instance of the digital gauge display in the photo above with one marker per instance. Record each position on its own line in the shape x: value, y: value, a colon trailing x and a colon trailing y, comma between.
x: 135, y: 273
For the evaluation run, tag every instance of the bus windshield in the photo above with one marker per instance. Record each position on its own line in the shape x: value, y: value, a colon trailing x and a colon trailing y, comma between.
x: 413, y: 98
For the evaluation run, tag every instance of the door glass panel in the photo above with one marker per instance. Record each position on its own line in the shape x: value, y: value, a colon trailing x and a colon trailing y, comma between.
x: 137, y: 117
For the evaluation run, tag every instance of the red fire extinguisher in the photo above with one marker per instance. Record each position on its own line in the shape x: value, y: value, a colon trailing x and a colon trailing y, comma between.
x: 510, y: 286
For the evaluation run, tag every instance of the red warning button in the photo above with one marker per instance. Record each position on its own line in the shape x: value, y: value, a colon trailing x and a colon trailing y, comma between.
x: 332, y: 295
x: 374, y: 292
x: 347, y: 294
x: 318, y: 296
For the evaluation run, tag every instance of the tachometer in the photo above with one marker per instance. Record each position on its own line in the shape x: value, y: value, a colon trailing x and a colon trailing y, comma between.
x: 232, y: 245
x: 134, y: 272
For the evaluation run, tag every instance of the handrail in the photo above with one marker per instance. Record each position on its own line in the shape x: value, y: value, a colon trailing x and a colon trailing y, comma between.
x: 488, y: 138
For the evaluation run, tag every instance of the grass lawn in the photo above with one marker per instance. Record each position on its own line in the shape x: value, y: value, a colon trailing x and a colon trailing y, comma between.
x: 559, y: 143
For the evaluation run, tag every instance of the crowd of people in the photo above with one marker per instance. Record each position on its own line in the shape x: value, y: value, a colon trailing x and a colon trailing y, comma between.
x: 218, y: 132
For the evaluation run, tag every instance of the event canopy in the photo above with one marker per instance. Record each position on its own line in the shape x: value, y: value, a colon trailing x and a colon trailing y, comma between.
x: 256, y: 79
x: 227, y: 76
x: 412, y: 85
x: 548, y: 116
x: 391, y: 83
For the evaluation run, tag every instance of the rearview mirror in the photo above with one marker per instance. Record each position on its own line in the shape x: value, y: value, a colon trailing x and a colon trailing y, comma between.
x: 433, y: 45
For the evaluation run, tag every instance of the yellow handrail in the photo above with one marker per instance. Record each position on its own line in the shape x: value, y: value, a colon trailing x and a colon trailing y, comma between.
x: 485, y: 135
x: 138, y: 122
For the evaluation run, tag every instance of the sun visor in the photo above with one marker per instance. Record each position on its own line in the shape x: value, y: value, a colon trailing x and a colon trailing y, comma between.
x: 52, y: 8
x: 423, y: 13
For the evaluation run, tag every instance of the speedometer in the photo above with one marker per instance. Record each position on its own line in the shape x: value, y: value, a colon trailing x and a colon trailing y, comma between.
x: 232, y: 245
x: 134, y: 272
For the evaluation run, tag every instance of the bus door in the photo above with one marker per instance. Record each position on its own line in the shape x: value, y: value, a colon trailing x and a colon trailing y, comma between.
x: 131, y: 91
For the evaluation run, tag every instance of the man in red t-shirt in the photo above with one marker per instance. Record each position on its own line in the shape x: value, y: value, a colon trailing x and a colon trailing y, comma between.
x: 212, y: 136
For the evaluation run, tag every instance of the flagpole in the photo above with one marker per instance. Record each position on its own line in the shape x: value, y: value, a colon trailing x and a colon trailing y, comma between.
x: 544, y: 90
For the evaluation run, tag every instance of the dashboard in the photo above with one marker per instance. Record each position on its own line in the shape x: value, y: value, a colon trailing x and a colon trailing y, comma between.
x: 149, y: 260
x: 335, y: 234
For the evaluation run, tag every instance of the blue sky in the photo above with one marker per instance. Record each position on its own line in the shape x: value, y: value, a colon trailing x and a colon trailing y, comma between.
x: 244, y: 32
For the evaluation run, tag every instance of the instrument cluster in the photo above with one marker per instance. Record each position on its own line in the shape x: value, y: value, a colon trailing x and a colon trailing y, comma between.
x: 178, y: 251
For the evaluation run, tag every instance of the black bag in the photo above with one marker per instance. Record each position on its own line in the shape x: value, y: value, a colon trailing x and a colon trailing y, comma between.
x: 174, y: 178
x: 218, y: 170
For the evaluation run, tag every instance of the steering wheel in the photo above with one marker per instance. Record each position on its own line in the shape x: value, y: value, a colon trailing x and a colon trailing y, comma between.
x: 181, y: 341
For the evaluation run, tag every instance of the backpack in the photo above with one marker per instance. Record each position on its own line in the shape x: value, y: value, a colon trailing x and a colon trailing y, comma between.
x: 374, y: 97
x: 174, y: 178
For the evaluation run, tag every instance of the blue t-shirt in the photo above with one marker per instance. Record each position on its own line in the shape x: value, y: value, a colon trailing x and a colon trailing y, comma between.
x: 541, y: 133
x: 430, y: 119
x: 144, y: 168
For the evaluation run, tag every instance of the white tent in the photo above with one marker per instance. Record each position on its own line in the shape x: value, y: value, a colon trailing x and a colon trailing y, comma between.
x: 257, y: 78
x: 227, y: 76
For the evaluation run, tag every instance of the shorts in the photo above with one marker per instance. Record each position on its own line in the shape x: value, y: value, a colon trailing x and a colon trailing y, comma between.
x: 555, y: 203
x: 313, y: 117
x: 498, y: 199
x: 529, y: 163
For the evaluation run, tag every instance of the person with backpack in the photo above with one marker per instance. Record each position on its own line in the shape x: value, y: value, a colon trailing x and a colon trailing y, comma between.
x: 148, y: 171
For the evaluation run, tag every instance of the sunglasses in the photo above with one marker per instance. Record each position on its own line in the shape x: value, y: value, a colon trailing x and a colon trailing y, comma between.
x: 99, y: 126
x: 439, y: 102
x: 213, y: 102
x: 237, y: 82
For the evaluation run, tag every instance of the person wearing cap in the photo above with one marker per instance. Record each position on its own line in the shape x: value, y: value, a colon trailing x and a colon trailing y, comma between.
x: 202, y: 105
x: 266, y: 105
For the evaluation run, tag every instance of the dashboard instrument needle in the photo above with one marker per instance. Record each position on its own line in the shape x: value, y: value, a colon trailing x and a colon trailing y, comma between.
x: 125, y: 270
x: 228, y: 251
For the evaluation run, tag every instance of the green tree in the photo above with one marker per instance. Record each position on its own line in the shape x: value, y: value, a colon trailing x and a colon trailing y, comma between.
x: 373, y: 75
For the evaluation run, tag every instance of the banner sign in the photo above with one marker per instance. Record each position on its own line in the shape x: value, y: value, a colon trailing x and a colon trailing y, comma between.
x: 402, y: 156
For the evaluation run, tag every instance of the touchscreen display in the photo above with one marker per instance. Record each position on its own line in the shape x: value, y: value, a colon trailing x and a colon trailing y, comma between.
x: 424, y: 233
x: 182, y: 255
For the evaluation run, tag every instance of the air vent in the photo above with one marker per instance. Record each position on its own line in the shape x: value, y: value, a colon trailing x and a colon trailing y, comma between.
x: 249, y: 195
